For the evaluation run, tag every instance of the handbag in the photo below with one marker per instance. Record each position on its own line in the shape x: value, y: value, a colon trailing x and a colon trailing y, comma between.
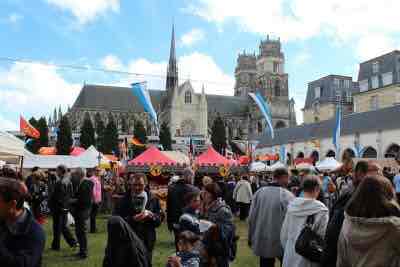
x: 309, y: 244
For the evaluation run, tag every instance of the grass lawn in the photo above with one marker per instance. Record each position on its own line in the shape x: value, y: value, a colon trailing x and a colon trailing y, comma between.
x: 163, y: 249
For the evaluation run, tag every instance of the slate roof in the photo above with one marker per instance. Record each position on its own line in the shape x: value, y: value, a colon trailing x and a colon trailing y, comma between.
x: 232, y: 105
x: 382, y: 119
x: 328, y: 93
x: 113, y: 98
x: 387, y: 62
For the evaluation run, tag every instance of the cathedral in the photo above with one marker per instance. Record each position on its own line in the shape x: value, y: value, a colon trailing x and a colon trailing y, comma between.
x: 192, y: 114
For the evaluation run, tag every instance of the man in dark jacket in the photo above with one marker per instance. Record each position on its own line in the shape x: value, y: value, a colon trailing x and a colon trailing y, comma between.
x: 59, y: 206
x: 337, y: 217
x: 21, y: 238
x: 175, y: 198
x: 142, y: 212
x: 81, y: 206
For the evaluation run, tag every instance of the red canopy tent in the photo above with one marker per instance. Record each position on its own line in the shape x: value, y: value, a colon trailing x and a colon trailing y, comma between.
x: 76, y: 151
x: 212, y: 157
x: 152, y: 156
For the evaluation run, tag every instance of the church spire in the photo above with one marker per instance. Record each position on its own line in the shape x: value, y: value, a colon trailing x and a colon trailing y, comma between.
x: 172, y: 71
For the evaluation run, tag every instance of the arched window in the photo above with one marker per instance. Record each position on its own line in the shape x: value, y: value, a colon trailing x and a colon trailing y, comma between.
x: 393, y: 151
x: 280, y: 124
x: 300, y: 155
x: 331, y: 154
x: 188, y: 97
x: 370, y: 153
x: 277, y: 88
x: 315, y: 156
x: 259, y: 127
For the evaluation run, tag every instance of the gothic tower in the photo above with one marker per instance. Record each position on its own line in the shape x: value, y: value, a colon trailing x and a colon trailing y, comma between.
x: 245, y: 74
x: 271, y: 76
x: 172, y: 71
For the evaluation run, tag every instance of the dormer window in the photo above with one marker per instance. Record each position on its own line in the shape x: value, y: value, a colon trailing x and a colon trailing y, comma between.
x: 188, y: 97
x: 317, y: 92
x: 375, y: 67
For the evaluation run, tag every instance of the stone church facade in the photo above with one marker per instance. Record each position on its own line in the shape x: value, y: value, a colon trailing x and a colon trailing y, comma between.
x: 192, y: 114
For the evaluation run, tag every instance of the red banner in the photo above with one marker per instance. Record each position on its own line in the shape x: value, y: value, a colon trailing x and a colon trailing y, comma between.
x: 28, y: 129
x: 303, y: 160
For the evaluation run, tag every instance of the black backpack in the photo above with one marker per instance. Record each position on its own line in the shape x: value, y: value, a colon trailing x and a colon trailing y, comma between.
x: 309, y: 244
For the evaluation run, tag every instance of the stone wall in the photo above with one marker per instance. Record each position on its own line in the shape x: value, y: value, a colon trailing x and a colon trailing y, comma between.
x: 386, y: 97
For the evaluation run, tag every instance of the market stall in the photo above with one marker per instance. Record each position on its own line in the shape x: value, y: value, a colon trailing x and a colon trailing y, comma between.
x: 259, y: 166
x: 328, y: 164
x: 212, y: 163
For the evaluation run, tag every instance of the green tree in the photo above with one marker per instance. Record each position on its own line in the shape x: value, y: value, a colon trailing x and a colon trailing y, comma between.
x: 34, y: 144
x: 218, y: 135
x: 100, y: 131
x: 165, y: 136
x: 64, y: 137
x: 140, y: 132
x: 87, y: 138
x: 44, y: 132
x: 124, y: 125
x: 111, y: 138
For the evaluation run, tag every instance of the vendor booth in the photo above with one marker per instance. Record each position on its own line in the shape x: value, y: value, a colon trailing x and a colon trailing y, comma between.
x: 212, y: 163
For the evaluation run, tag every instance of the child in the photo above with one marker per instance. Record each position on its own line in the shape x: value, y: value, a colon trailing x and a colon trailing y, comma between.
x: 187, y: 256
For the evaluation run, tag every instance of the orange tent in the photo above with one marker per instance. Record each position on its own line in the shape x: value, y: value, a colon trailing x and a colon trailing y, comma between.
x: 47, y: 151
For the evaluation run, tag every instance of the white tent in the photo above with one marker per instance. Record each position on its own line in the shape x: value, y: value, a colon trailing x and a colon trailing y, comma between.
x: 258, y: 166
x: 278, y: 165
x: 305, y: 166
x: 88, y: 159
x: 328, y: 164
x: 11, y: 145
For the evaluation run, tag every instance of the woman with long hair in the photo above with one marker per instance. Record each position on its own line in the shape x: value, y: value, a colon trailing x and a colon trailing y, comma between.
x: 371, y: 230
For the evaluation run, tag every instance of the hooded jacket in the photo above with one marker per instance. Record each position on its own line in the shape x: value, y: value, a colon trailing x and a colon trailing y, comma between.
x: 298, y: 211
x: 369, y: 242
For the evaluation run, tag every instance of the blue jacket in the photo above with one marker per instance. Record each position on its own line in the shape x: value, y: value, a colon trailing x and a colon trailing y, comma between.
x: 24, y: 248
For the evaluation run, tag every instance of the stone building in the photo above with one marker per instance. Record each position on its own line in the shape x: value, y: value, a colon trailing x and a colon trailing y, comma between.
x: 379, y: 80
x: 372, y: 134
x: 325, y: 93
x: 192, y: 114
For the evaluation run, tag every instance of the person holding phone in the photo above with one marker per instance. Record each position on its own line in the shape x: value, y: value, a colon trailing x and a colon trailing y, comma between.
x: 141, y: 210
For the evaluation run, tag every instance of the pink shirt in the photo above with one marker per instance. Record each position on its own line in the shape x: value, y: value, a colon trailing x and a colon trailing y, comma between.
x: 96, y: 189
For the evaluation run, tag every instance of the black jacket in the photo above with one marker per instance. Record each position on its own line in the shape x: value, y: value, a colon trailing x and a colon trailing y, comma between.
x: 61, y: 197
x: 124, y: 248
x: 83, y: 199
x: 146, y: 231
x: 175, y: 201
x: 329, y: 255
x: 24, y: 248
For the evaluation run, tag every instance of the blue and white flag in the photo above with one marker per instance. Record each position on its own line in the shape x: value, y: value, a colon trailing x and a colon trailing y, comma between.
x: 282, y: 154
x: 143, y: 95
x: 337, y: 129
x: 359, y: 150
x: 265, y: 110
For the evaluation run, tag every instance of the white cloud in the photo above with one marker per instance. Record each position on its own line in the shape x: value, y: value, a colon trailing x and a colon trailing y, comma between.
x: 192, y: 37
x: 87, y: 10
x: 301, y: 58
x: 14, y: 18
x: 343, y: 21
x: 7, y: 125
x: 374, y: 45
x: 34, y: 90
x: 111, y: 62
x: 199, y: 68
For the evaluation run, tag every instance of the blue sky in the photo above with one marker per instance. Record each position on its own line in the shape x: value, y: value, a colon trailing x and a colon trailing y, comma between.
x: 331, y: 37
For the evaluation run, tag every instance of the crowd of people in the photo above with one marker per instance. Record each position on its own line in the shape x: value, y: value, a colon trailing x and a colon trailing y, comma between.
x: 298, y: 219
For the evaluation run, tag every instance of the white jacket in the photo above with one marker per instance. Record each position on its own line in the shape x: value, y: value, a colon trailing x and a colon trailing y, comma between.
x: 242, y: 192
x: 298, y: 211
